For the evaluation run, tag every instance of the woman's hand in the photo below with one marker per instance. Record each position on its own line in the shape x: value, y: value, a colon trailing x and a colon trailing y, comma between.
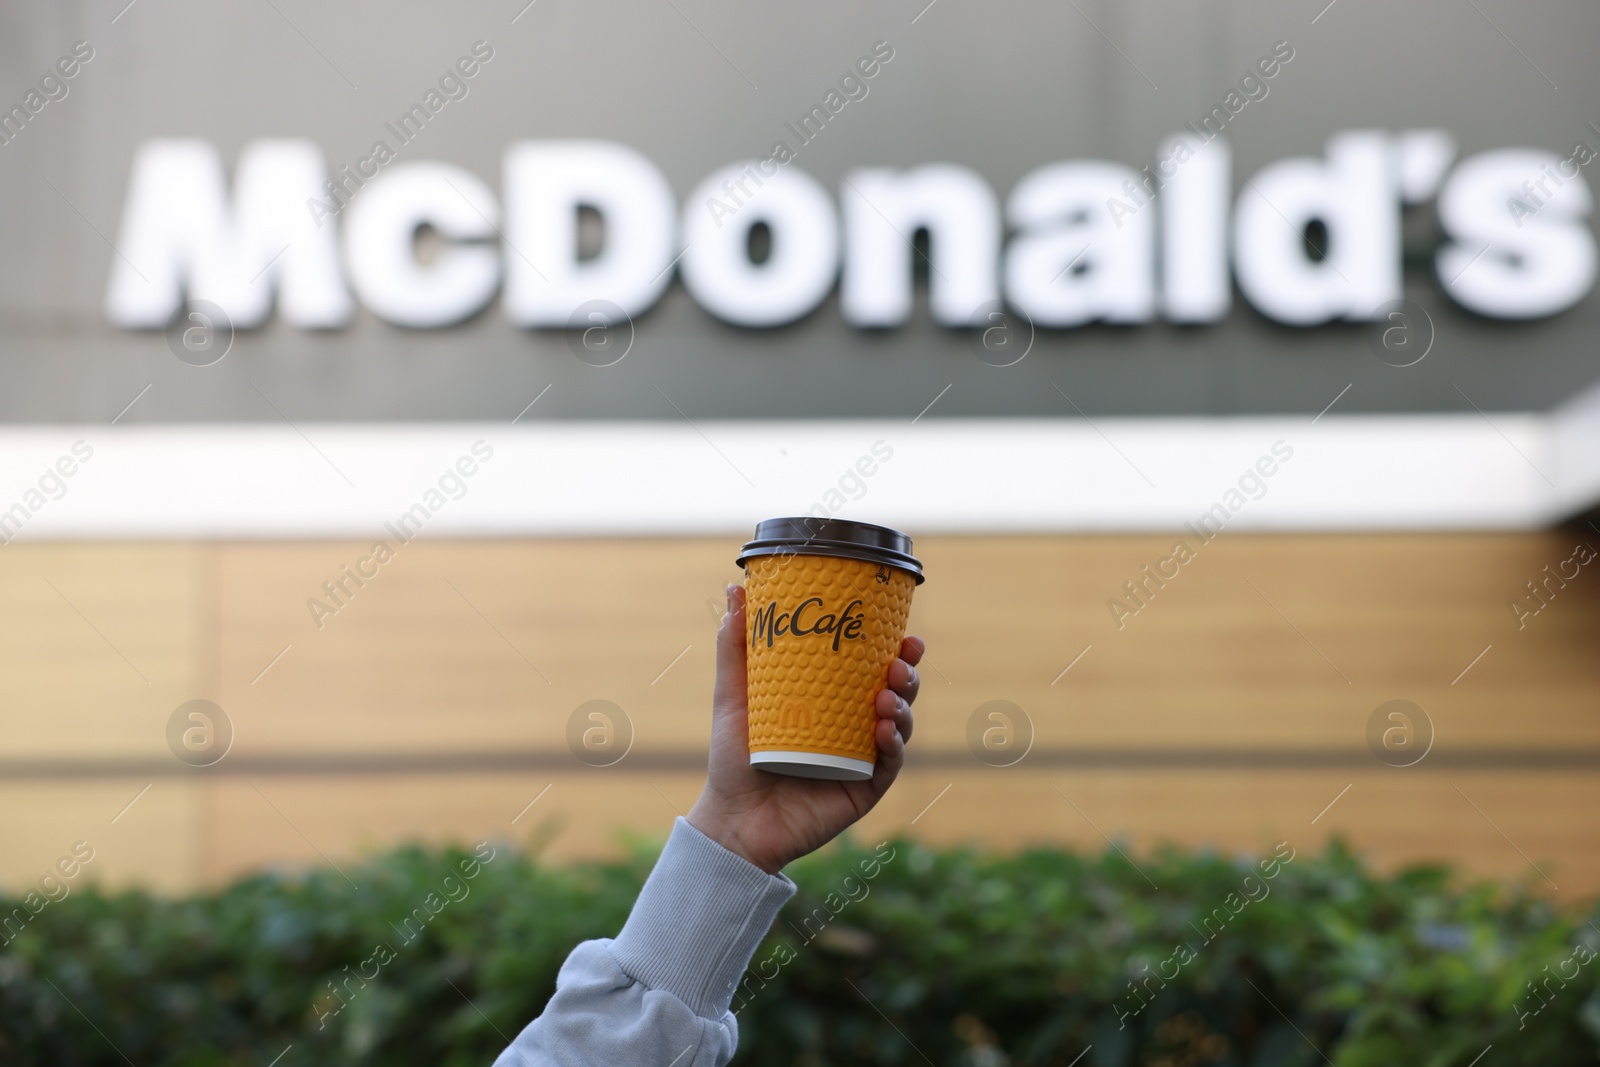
x: 771, y: 819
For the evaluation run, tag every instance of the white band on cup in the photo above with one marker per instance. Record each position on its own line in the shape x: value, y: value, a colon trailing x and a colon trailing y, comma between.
x: 813, y: 765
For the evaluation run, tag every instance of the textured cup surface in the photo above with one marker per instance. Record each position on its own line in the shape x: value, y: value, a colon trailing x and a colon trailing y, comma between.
x: 821, y: 634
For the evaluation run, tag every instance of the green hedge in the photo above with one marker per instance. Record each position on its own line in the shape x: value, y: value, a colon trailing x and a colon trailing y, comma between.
x: 899, y: 955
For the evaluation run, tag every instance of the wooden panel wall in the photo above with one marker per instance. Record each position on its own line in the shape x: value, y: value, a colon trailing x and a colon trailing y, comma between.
x: 1231, y: 709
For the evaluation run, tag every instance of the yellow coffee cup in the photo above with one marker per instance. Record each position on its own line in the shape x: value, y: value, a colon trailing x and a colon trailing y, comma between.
x: 826, y: 604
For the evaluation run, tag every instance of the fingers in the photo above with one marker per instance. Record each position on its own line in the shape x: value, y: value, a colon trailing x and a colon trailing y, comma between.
x: 904, y: 680
x: 893, y: 704
x: 895, y: 720
x: 891, y: 707
x: 730, y: 693
x: 891, y: 755
x: 912, y: 649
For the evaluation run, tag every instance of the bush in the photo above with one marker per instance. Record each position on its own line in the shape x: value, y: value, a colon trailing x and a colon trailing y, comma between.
x: 903, y: 955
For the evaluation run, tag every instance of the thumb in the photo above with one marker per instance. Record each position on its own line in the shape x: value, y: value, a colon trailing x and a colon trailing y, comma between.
x: 730, y: 693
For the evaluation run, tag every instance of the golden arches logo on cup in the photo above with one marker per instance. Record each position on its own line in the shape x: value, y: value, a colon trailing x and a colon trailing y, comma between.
x: 999, y: 733
x: 826, y: 605
x: 1399, y: 733
x: 199, y: 733
x: 599, y: 733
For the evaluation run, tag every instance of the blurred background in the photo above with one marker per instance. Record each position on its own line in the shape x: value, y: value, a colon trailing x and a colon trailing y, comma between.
x: 399, y: 459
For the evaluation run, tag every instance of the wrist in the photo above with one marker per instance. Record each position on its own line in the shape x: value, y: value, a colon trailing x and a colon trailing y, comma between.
x: 723, y: 828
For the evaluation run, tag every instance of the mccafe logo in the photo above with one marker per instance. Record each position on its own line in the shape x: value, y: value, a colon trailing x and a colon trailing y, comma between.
x: 769, y: 623
x: 1307, y: 240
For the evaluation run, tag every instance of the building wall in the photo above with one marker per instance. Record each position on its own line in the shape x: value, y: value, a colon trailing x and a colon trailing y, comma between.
x: 1229, y: 711
x: 1001, y: 88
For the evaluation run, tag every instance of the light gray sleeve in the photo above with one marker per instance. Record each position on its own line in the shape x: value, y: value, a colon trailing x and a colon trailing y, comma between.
x: 658, y: 995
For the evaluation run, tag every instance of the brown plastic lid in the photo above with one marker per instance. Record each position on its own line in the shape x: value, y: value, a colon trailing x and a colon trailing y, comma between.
x: 808, y: 536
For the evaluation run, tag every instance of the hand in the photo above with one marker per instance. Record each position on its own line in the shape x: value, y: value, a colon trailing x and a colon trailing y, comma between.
x: 770, y: 819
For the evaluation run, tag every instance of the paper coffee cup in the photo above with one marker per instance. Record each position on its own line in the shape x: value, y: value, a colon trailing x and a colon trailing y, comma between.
x: 826, y: 603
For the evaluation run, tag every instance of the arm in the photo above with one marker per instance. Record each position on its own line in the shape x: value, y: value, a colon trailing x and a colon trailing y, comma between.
x: 659, y: 992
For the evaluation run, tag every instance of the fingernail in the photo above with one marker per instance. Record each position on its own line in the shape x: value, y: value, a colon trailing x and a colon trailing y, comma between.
x: 729, y: 592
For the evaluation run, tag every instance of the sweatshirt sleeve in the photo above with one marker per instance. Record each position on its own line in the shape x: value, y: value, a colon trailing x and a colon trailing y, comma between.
x: 658, y: 994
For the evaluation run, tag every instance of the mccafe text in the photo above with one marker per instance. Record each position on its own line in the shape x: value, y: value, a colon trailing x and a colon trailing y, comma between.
x: 769, y: 623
